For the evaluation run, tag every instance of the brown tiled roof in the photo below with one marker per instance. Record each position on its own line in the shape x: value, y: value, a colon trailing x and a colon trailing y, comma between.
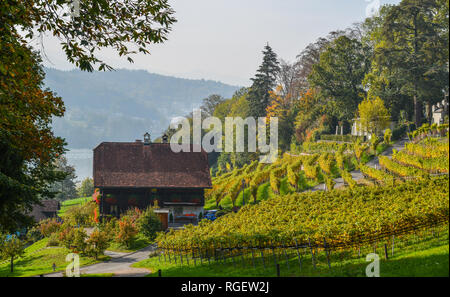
x: 136, y: 165
x: 48, y: 209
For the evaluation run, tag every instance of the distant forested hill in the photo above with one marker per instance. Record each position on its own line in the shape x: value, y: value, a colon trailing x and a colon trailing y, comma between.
x: 122, y: 105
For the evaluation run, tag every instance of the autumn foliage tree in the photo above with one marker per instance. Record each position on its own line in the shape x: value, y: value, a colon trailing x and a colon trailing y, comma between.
x: 28, y: 148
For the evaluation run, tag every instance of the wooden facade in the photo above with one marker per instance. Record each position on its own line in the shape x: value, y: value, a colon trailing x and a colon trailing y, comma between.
x: 139, y: 174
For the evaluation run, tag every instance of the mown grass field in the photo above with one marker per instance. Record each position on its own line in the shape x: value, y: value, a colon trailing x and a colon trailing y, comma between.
x: 38, y: 259
x: 426, y: 256
x: 65, y: 205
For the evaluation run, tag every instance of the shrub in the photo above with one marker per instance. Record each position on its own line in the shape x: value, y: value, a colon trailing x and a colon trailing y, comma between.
x: 398, y: 132
x: 81, y: 215
x: 127, y: 231
x: 34, y: 234
x: 53, y: 240
x: 387, y: 136
x: 344, y: 138
x: 67, y: 236
x: 374, y: 141
x: 79, y: 240
x: 49, y: 226
x: 97, y: 243
x: 111, y: 228
x: 149, y: 224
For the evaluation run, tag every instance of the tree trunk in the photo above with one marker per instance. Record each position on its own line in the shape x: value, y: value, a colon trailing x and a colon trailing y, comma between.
x: 430, y: 112
x: 417, y: 112
x: 12, y: 264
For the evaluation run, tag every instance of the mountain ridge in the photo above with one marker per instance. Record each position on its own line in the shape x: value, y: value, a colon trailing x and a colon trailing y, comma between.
x: 123, y: 104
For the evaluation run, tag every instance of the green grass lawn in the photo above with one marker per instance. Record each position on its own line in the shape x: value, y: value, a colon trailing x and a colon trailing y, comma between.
x: 39, y: 260
x: 65, y: 205
x: 413, y: 257
x: 139, y: 243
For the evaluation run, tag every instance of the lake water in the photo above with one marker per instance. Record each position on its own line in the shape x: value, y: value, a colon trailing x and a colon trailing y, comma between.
x: 82, y: 160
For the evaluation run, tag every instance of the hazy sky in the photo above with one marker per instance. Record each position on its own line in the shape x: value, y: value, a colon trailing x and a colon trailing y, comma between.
x: 223, y: 39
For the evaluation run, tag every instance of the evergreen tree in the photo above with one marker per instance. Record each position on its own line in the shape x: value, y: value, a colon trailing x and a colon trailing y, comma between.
x: 264, y: 81
x: 66, y: 188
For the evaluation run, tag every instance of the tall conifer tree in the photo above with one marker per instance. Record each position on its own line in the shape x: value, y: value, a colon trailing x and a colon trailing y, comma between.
x: 264, y: 81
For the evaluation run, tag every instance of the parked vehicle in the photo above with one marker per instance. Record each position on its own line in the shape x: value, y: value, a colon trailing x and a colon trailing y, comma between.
x: 211, y: 215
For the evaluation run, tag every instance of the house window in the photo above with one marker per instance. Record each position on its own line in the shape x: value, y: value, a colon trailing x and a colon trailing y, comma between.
x: 178, y: 211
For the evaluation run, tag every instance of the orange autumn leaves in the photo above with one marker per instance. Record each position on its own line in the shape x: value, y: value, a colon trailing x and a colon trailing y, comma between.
x: 26, y: 108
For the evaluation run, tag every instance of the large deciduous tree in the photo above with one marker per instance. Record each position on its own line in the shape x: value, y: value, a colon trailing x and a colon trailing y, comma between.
x: 339, y: 74
x: 412, y: 52
x: 27, y: 144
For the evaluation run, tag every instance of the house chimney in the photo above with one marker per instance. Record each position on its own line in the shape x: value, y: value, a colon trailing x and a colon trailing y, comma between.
x: 147, y: 138
x: 165, y: 138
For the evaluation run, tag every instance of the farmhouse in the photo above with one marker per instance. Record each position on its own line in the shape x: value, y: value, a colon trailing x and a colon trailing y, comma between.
x: 140, y: 174
x: 45, y: 210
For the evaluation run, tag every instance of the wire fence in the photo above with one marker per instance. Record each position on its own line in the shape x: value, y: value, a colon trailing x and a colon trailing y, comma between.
x: 267, y: 254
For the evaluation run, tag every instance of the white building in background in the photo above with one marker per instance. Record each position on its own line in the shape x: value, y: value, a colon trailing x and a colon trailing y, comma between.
x: 357, y: 129
x: 440, y: 110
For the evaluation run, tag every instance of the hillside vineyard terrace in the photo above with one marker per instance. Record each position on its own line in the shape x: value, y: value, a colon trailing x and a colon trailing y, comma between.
x: 212, y: 140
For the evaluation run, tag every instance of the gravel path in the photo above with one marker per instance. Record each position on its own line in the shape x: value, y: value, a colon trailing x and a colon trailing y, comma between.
x: 398, y: 146
x: 120, y: 264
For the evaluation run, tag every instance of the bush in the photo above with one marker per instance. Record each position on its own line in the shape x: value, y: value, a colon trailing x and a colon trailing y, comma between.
x: 53, y: 240
x: 81, y: 215
x: 110, y: 228
x: 149, y: 224
x: 345, y: 138
x: 98, y: 242
x: 34, y: 234
x: 398, y: 132
x: 127, y: 231
x: 387, y: 136
x: 79, y: 240
x: 49, y: 226
x: 67, y: 236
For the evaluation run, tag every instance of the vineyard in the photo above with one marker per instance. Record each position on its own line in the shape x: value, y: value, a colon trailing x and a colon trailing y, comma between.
x: 429, y: 156
x: 290, y: 174
x: 344, y: 217
x: 409, y: 193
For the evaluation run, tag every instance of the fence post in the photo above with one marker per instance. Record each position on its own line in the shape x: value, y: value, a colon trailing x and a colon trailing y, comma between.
x: 286, y: 256
x: 175, y: 256
x: 201, y: 256
x: 385, y: 252
x: 274, y: 256
x: 181, y: 257
x: 278, y: 270
x: 164, y: 253
x: 262, y: 257
x: 393, y: 245
x: 298, y: 254
x: 312, y: 254
x: 187, y: 257
x: 253, y: 256
x: 326, y: 252
x: 193, y: 256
